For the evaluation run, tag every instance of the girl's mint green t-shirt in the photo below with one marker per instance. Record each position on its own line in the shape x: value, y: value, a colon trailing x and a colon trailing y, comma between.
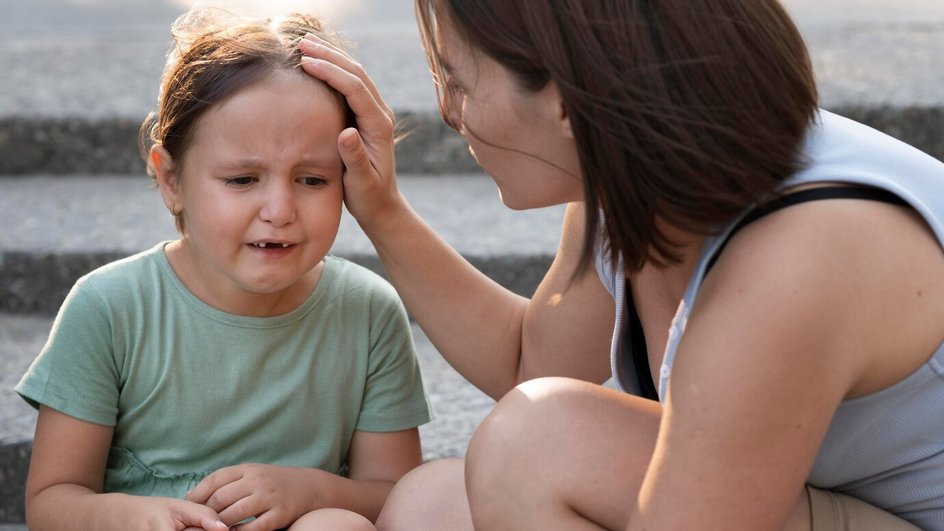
x: 190, y: 389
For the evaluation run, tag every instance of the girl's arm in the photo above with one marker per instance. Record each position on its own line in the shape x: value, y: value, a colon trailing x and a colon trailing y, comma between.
x: 819, y: 303
x: 492, y: 336
x: 63, y: 490
x: 277, y: 496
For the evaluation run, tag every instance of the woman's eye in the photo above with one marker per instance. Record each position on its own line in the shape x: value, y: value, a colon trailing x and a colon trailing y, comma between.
x: 452, y: 87
x: 240, y: 181
x: 448, y: 84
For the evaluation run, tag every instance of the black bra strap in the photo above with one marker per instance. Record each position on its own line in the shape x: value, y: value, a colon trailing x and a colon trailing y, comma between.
x: 803, y: 196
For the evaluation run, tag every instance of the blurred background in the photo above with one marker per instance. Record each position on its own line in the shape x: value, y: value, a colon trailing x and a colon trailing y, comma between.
x: 61, y: 56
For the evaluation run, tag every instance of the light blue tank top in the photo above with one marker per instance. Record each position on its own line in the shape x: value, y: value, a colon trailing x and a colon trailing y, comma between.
x: 886, y: 448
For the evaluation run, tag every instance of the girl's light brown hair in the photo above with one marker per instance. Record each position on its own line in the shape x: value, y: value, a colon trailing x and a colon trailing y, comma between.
x: 685, y: 112
x: 214, y: 55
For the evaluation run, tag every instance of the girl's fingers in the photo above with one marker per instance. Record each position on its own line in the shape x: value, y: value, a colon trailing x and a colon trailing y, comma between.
x: 316, y: 48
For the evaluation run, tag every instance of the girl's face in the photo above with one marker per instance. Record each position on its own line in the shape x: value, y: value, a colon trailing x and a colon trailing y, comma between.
x: 261, y: 192
x: 522, y: 139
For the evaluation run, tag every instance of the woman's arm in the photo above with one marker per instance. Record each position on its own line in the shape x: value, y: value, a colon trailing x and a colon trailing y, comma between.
x: 63, y: 490
x: 794, y: 319
x: 492, y: 336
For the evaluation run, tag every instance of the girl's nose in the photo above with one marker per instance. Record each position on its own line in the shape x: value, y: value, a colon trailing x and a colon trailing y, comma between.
x: 279, y: 207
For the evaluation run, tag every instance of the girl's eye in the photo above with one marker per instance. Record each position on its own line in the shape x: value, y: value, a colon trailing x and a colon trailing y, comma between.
x: 240, y: 181
x: 311, y: 180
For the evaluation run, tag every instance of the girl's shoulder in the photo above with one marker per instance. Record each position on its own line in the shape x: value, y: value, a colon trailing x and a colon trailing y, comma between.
x: 132, y: 276
x: 343, y: 277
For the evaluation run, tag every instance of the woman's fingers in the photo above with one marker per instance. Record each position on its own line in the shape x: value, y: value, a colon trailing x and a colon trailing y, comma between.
x: 367, y: 150
x: 314, y: 47
x: 373, y: 122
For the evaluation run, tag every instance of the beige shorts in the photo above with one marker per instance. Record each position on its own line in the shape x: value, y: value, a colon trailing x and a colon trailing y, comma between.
x: 831, y: 511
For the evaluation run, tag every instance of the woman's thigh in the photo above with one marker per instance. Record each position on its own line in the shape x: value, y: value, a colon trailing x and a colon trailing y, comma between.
x: 837, y: 512
x: 560, y: 454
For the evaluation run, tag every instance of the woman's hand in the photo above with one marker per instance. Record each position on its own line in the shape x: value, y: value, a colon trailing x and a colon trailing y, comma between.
x: 370, y: 189
x: 275, y: 495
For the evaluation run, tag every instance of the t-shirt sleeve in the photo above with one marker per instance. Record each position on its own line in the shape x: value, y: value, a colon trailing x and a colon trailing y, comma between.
x: 76, y: 373
x: 394, y: 397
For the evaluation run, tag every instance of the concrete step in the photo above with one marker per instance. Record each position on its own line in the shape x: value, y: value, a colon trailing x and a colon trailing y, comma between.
x: 79, y: 77
x: 79, y: 145
x: 459, y: 406
x: 65, y: 226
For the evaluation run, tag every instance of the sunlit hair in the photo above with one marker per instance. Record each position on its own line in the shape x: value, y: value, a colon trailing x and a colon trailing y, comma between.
x: 684, y: 112
x: 214, y: 55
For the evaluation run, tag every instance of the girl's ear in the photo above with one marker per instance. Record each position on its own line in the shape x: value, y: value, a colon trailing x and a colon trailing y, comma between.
x: 167, y: 180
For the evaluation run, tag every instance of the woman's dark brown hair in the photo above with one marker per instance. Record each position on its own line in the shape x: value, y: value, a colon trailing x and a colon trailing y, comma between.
x: 685, y: 112
x: 214, y: 55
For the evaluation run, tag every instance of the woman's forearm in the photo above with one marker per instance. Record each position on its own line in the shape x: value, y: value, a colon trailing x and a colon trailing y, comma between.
x: 473, y: 321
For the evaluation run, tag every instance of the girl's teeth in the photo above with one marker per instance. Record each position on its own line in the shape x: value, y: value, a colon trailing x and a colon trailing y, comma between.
x: 265, y: 245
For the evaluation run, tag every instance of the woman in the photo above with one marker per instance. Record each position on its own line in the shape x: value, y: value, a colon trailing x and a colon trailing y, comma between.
x: 792, y: 381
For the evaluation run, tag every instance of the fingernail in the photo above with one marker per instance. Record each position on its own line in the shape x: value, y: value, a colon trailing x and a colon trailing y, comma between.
x: 311, y: 60
x: 349, y: 139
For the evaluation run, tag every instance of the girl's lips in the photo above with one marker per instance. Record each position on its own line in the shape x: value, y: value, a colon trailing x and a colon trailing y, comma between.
x: 272, y: 250
x: 270, y: 245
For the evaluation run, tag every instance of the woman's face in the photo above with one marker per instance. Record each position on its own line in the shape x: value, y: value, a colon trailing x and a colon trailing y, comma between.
x: 520, y: 138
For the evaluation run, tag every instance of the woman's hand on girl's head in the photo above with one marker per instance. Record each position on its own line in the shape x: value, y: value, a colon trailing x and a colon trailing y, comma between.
x: 370, y: 190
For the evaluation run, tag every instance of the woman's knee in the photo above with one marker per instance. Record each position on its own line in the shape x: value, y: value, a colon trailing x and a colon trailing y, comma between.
x: 524, y: 420
x: 527, y: 416
x: 432, y: 496
x: 547, y: 436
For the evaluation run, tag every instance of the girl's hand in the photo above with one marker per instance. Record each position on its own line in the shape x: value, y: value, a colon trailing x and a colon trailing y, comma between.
x: 172, y: 515
x: 275, y: 495
x: 370, y: 189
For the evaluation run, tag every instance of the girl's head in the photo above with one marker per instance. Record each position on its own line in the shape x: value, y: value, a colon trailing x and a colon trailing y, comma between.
x: 244, y: 150
x: 681, y: 112
x: 214, y: 55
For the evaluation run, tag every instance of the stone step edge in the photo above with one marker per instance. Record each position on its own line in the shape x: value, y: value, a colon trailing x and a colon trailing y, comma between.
x: 14, y: 465
x: 37, y: 282
x: 79, y: 145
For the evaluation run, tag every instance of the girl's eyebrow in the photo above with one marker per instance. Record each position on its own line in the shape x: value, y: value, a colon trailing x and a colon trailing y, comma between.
x: 254, y: 162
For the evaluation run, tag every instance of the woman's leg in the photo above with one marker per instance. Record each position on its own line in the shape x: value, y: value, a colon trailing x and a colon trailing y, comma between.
x: 554, y: 454
x: 560, y: 454
x: 429, y: 498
